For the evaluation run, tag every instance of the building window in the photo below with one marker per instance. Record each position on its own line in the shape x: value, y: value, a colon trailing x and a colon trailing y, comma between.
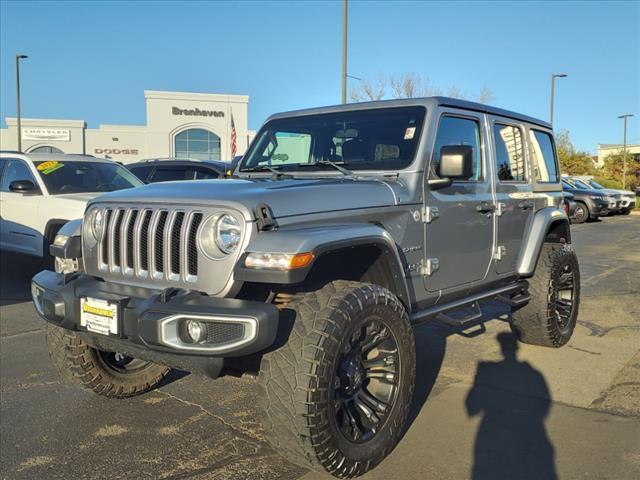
x: 46, y: 149
x: 197, y: 143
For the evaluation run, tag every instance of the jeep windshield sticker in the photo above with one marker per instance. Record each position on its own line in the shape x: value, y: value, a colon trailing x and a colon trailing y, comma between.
x: 51, y: 166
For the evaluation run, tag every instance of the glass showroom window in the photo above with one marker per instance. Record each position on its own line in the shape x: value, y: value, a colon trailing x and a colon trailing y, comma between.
x: 198, y: 144
x: 46, y: 149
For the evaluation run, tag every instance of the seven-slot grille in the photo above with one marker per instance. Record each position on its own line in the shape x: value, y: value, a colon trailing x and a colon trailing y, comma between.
x: 150, y: 243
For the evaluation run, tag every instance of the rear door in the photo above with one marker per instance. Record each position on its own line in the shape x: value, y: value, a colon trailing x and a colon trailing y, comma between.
x: 514, y: 196
x: 459, y: 234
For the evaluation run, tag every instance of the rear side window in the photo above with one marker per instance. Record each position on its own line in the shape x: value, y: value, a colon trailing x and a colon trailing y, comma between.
x: 205, y: 173
x: 142, y: 172
x: 543, y: 158
x: 458, y: 131
x: 510, y: 166
x: 16, y: 170
x: 167, y: 174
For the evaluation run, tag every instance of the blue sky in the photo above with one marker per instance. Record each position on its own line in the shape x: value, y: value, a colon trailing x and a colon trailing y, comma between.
x: 92, y: 60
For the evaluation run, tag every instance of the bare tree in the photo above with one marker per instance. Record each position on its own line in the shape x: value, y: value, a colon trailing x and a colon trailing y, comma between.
x: 410, y: 85
x: 368, y: 91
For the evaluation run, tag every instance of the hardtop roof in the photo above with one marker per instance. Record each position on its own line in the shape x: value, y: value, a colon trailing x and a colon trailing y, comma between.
x: 428, y: 102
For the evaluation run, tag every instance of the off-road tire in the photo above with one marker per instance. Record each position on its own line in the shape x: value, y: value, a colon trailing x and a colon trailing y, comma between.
x: 297, y: 379
x: 581, y: 214
x: 80, y: 364
x: 537, y: 322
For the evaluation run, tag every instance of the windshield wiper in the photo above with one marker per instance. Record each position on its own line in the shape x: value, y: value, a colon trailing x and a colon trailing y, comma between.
x: 261, y: 168
x: 338, y: 167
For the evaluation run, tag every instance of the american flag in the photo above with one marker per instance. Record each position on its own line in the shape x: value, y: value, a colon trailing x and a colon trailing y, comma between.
x: 234, y: 138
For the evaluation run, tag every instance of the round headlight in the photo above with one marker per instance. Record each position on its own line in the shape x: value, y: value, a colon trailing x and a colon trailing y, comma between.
x: 96, y: 223
x: 227, y: 233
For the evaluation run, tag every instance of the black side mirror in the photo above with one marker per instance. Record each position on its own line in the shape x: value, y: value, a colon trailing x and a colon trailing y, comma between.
x: 456, y: 163
x: 23, y: 186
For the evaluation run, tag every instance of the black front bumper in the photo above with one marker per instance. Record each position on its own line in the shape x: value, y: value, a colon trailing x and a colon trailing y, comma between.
x: 145, y: 317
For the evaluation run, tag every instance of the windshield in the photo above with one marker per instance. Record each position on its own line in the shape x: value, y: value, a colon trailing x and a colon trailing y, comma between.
x: 79, y: 177
x: 378, y: 139
x: 595, y: 184
x: 580, y: 184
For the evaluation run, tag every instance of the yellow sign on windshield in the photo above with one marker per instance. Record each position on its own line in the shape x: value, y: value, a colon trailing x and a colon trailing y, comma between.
x: 51, y: 166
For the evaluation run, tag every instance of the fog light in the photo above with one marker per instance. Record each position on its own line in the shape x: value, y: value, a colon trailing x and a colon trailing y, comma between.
x: 196, y: 331
x: 37, y: 294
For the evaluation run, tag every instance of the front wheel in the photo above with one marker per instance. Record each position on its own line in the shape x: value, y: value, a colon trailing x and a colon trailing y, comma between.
x: 550, y: 316
x: 581, y: 214
x: 337, y: 394
x: 109, y: 374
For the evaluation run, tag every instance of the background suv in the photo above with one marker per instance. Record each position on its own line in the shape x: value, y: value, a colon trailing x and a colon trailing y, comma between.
x: 591, y: 204
x: 626, y: 198
x: 171, y: 169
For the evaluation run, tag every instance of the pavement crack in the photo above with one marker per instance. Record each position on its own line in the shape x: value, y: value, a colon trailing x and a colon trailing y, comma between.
x: 249, y: 439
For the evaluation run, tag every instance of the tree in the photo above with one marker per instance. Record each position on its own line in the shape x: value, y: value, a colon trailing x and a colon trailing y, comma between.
x: 572, y: 162
x: 613, y: 169
x: 410, y: 85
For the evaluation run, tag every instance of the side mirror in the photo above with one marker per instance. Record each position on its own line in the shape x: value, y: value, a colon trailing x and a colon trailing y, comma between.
x: 456, y: 163
x: 23, y: 186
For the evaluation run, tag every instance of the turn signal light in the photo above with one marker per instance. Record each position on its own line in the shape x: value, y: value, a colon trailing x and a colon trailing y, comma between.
x: 278, y: 261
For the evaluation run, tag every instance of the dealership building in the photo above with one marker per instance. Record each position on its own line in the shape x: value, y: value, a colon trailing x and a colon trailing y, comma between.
x: 179, y: 124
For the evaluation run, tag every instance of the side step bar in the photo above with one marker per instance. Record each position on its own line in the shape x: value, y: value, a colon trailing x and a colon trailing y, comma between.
x: 514, y: 295
x: 464, y: 321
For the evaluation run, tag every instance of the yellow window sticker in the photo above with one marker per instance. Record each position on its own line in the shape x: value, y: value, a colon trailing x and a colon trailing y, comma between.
x: 51, y: 166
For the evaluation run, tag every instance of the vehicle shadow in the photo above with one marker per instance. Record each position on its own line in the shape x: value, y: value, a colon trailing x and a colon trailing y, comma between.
x: 16, y: 271
x: 513, y: 399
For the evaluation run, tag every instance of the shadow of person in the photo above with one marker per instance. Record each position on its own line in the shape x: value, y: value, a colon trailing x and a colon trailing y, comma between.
x: 513, y: 399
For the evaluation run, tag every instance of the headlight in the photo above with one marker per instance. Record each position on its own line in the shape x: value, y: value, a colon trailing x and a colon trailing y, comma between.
x: 227, y: 233
x: 96, y: 223
x: 596, y: 197
x: 60, y: 240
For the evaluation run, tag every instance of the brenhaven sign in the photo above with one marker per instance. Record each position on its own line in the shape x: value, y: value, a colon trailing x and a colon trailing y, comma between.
x: 196, y: 112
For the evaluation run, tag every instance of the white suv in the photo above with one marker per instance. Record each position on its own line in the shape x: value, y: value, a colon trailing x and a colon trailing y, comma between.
x: 41, y: 192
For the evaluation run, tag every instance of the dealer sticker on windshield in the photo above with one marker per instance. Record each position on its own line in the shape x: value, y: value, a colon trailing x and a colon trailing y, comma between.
x: 99, y: 316
x: 49, y: 166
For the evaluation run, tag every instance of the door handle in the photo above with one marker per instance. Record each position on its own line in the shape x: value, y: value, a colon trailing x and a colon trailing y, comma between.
x: 525, y: 205
x: 485, y: 207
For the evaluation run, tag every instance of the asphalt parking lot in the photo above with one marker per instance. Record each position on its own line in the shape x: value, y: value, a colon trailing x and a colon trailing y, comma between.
x: 571, y: 413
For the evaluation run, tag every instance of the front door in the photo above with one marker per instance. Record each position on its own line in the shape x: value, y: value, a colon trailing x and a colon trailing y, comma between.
x: 459, y: 228
x: 514, y: 196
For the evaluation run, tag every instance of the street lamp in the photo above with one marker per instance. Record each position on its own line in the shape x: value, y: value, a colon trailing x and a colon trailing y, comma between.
x: 18, y: 58
x: 553, y: 80
x: 624, y: 151
x: 345, y: 11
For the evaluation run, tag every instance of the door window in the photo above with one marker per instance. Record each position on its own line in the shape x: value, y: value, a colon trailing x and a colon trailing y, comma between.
x: 16, y: 170
x: 510, y: 166
x: 458, y: 131
x: 205, y: 173
x: 167, y: 174
x: 543, y: 158
x: 142, y: 172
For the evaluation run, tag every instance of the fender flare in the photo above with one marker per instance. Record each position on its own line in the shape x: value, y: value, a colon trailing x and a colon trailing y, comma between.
x: 535, y: 236
x: 321, y: 240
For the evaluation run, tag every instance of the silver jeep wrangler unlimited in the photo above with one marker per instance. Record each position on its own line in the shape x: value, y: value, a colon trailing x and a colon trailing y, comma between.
x: 343, y: 228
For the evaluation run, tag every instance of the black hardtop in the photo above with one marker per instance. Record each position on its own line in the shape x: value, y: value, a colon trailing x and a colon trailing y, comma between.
x: 428, y: 102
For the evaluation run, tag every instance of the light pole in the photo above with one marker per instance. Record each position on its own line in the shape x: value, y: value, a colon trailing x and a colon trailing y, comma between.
x: 624, y: 151
x: 18, y: 58
x: 553, y: 81
x: 345, y: 11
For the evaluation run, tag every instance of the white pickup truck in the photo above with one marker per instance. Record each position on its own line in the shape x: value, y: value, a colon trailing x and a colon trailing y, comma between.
x: 41, y: 192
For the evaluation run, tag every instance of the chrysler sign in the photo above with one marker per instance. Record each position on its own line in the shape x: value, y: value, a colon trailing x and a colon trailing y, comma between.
x: 196, y: 112
x: 49, y: 134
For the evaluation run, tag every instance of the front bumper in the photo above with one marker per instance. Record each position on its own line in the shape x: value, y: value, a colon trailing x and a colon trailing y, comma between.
x: 148, y: 321
x: 599, y: 208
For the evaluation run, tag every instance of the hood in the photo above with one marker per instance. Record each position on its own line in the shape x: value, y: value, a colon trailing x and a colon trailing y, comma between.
x: 584, y: 191
x: 286, y: 197
x: 77, y: 197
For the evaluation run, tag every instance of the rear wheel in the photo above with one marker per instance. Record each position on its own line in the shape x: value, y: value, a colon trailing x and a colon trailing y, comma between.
x: 581, y: 214
x: 337, y: 394
x: 109, y: 374
x: 550, y: 316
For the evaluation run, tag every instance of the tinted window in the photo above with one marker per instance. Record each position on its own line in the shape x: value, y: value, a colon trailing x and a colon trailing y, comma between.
x: 458, y: 131
x: 543, y: 159
x: 79, y: 177
x: 510, y: 165
x: 167, y: 174
x: 16, y: 170
x: 141, y: 172
x: 376, y: 139
x: 205, y: 173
